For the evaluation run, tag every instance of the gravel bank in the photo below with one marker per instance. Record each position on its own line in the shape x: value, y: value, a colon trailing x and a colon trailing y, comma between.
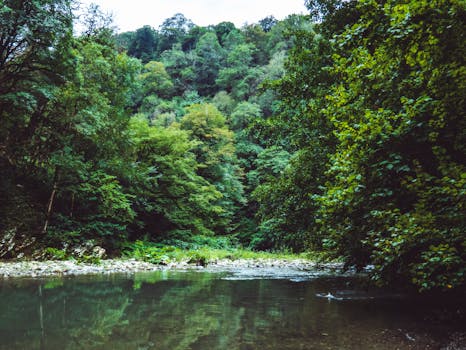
x: 111, y: 266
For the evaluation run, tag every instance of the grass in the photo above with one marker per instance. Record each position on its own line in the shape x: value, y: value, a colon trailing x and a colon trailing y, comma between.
x: 163, y: 254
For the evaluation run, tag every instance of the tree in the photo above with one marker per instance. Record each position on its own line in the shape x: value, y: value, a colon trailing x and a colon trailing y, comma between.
x: 224, y: 102
x: 189, y: 42
x: 124, y: 40
x: 235, y: 76
x: 393, y: 198
x: 256, y: 36
x: 87, y: 147
x: 34, y: 58
x: 222, y: 30
x: 96, y: 23
x: 155, y: 80
x: 207, y: 62
x: 173, y: 31
x: 248, y: 144
x: 248, y: 147
x: 215, y: 154
x: 144, y: 44
x: 268, y: 23
x: 292, y: 169
x: 179, y: 66
x: 373, y: 104
x: 169, y: 194
x: 232, y: 39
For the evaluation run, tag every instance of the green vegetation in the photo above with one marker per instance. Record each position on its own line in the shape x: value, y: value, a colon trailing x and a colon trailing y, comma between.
x: 341, y: 132
x: 205, y: 250
x: 379, y: 173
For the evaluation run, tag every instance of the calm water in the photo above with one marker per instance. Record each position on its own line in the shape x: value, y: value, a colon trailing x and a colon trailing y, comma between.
x: 196, y: 310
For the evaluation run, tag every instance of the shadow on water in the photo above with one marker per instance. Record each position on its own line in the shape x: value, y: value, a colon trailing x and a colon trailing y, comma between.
x: 198, y: 310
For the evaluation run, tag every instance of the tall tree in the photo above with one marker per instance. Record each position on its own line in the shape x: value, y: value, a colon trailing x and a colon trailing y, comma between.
x: 169, y: 195
x: 144, y: 44
x: 180, y: 67
x: 155, y: 80
x: 35, y: 58
x: 173, y: 30
x: 268, y: 23
x: 215, y: 153
x: 235, y: 77
x: 87, y: 146
x: 207, y: 62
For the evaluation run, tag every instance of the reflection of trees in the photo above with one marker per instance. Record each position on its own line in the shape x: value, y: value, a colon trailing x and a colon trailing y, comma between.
x: 56, y: 316
x: 181, y: 311
x: 191, y: 312
x: 150, y: 312
x: 16, y: 306
x: 153, y: 311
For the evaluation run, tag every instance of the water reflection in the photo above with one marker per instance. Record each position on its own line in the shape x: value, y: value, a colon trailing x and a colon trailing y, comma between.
x: 178, y: 311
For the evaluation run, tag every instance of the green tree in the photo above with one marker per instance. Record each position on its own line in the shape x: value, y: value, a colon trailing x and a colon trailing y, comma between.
x: 155, y: 80
x: 207, y: 62
x: 292, y: 170
x: 143, y: 44
x: 256, y: 36
x: 87, y: 147
x: 222, y: 30
x: 189, y: 42
x: 224, y: 102
x: 169, y: 195
x: 236, y: 75
x: 180, y: 67
x: 173, y: 31
x: 395, y: 197
x: 35, y: 57
x: 268, y: 23
x: 215, y: 154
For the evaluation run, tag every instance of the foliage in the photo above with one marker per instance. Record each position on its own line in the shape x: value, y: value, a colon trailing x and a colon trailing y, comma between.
x: 372, y: 107
x: 155, y: 80
x: 342, y: 131
x: 206, y: 64
x: 173, y: 30
x: 215, y: 154
x: 55, y: 254
x: 143, y: 44
x: 234, y: 77
x: 35, y: 58
x: 166, y: 179
x: 396, y: 114
x: 202, y: 254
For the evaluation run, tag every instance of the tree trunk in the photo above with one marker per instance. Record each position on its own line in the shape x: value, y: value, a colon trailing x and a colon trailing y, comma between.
x: 72, y: 205
x: 48, y: 214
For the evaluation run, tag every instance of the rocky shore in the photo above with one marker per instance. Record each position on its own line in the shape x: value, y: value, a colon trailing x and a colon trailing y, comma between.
x: 112, y: 266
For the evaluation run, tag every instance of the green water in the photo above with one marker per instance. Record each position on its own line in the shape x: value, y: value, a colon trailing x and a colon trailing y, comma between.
x: 196, y: 310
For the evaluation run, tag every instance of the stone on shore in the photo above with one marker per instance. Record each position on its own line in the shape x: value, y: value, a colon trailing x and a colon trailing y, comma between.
x: 128, y: 266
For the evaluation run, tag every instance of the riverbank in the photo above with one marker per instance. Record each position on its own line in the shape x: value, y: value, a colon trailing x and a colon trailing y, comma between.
x: 49, y: 268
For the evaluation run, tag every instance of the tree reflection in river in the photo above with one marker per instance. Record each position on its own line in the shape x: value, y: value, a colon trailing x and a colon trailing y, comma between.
x: 194, y: 310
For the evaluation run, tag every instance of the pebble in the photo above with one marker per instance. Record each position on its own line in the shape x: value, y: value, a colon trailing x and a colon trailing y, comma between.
x: 73, y: 268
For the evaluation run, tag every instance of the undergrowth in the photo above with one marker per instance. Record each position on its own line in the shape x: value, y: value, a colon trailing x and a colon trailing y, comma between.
x: 200, y: 253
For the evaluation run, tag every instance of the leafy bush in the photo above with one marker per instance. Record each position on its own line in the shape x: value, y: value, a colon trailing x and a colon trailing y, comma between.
x: 158, y: 253
x: 55, y: 253
x: 185, y: 240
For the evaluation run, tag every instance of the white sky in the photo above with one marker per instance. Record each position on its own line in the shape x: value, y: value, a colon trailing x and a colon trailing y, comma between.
x: 133, y: 14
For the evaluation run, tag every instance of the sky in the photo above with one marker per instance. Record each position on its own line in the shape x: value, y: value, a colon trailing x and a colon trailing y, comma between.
x: 133, y: 14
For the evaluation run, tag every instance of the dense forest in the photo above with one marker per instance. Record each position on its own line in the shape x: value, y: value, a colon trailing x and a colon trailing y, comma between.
x: 340, y: 131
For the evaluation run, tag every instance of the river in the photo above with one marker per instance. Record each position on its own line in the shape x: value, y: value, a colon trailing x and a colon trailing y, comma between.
x: 177, y: 310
